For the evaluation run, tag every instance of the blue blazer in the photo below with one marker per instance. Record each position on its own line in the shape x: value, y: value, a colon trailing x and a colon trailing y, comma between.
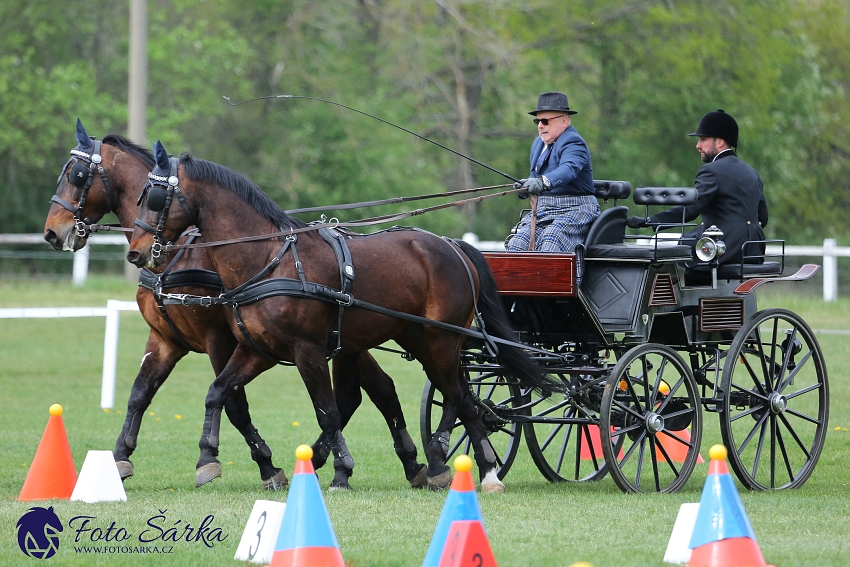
x: 567, y: 167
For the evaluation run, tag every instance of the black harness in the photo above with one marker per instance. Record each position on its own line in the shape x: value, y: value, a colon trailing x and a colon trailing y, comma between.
x: 193, y: 277
x: 160, y: 189
x: 82, y: 175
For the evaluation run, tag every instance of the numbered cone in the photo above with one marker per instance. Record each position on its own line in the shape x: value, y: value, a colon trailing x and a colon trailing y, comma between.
x: 722, y: 536
x: 306, y: 537
x: 467, y: 546
x: 461, y: 506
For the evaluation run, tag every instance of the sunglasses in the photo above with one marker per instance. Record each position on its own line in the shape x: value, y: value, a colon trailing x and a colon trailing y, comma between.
x: 545, y: 121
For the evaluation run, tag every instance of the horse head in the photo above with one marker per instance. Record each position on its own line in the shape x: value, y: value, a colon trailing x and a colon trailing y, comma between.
x: 159, y: 222
x: 82, y: 195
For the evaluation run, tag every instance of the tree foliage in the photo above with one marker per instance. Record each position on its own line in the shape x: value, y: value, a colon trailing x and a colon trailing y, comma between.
x: 463, y: 73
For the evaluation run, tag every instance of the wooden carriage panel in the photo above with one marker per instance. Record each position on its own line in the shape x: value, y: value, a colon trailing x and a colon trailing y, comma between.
x: 534, y: 273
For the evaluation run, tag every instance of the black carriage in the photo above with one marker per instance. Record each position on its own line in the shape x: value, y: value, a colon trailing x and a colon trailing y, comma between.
x: 642, y: 349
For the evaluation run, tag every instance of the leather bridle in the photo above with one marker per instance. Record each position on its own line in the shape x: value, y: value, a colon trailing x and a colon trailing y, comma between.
x: 160, y: 190
x: 81, y: 175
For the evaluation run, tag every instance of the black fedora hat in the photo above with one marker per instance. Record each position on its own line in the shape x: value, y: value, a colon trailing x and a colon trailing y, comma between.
x: 555, y: 102
x: 718, y: 124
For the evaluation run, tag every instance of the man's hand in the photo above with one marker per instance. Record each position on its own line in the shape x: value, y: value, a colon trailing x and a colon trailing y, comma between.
x: 636, y: 222
x: 534, y: 185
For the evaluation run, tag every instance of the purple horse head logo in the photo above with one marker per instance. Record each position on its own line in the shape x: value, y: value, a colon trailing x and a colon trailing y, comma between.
x: 38, y: 533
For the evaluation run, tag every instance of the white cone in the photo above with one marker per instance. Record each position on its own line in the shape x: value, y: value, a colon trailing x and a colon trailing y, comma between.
x: 99, y: 480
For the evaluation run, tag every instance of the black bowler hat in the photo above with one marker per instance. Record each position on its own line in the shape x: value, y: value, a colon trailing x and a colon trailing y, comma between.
x: 556, y: 102
x: 718, y: 124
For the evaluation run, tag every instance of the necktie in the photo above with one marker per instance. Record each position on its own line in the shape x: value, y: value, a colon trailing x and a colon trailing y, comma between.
x: 542, y: 159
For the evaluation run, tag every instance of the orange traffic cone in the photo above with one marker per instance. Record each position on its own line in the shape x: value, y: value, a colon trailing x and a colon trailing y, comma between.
x: 589, y: 437
x: 459, y: 539
x: 52, y: 473
x: 306, y: 537
x: 722, y: 536
x: 676, y: 450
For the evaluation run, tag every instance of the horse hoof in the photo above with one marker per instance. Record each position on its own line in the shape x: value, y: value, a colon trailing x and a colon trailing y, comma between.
x: 441, y: 481
x: 493, y: 487
x: 207, y: 473
x: 421, y: 478
x: 277, y: 482
x: 125, y: 469
x: 339, y: 486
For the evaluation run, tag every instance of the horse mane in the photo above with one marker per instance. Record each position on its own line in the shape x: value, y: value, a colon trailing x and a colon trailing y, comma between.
x: 245, y: 189
x: 125, y: 145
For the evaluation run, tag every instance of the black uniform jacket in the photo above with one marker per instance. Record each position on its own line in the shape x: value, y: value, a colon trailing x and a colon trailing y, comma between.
x: 731, y: 197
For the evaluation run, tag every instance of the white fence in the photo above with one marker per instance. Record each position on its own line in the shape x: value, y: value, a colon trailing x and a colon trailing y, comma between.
x: 829, y: 252
x: 112, y: 312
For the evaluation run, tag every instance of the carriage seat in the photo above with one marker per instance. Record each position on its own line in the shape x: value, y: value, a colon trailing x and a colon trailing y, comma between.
x: 606, y: 238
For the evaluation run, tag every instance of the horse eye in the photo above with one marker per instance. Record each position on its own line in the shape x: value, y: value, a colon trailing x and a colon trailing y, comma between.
x: 79, y: 174
x: 156, y: 199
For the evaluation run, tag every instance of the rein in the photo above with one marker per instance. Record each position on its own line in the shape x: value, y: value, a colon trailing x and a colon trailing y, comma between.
x: 363, y: 222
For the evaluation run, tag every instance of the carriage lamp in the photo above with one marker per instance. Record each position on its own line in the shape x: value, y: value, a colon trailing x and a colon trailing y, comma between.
x: 710, y: 246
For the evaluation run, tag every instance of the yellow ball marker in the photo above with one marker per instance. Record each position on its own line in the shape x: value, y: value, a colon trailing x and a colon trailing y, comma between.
x: 463, y: 463
x: 717, y: 452
x: 56, y: 409
x: 304, y: 453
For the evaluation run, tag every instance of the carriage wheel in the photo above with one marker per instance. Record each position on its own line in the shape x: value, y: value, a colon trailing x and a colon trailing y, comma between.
x: 775, y: 412
x: 566, y: 452
x: 652, y: 406
x: 498, y: 397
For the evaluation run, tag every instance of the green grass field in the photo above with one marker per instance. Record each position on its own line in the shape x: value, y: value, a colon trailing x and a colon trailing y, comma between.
x: 381, y: 522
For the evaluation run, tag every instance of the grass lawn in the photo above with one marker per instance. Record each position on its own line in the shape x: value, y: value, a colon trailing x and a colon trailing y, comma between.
x: 381, y: 522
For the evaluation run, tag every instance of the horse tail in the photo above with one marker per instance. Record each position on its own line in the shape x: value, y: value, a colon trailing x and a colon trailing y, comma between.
x: 518, y: 363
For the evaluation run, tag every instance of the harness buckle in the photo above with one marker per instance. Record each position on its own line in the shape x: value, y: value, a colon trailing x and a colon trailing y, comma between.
x: 80, y: 228
x: 206, y: 301
x: 156, y: 249
x: 349, y: 301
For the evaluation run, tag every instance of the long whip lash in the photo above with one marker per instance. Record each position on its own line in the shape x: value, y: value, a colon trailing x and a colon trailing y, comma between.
x: 494, y: 170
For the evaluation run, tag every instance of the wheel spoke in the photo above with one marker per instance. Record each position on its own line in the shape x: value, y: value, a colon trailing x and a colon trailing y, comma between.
x: 677, y: 438
x: 752, y: 373
x: 631, y: 450
x: 671, y: 395
x: 796, y: 437
x: 640, y: 461
x: 554, y: 433
x: 793, y: 373
x: 759, y: 445
x: 752, y: 432
x: 667, y: 459
x: 785, y: 458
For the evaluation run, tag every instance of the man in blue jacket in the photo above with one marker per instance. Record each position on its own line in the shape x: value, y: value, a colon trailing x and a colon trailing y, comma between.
x: 561, y: 176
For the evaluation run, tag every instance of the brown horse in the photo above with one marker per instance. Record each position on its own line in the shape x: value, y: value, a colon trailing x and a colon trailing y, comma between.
x: 82, y: 199
x: 410, y: 286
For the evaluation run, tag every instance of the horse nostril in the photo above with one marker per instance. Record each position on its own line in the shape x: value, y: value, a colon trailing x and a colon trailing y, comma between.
x: 134, y: 257
x: 51, y: 237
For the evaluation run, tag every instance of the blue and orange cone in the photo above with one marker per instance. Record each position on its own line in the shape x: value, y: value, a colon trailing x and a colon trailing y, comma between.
x: 306, y: 537
x: 722, y: 536
x: 460, y: 522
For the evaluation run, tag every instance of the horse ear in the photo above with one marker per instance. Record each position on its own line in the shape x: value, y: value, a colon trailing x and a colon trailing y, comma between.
x: 82, y: 136
x: 161, y: 156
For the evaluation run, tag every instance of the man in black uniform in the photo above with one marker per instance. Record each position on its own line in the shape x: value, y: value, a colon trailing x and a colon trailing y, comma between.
x: 731, y: 195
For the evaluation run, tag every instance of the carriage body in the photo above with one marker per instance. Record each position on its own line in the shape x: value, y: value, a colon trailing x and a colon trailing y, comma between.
x: 642, y: 351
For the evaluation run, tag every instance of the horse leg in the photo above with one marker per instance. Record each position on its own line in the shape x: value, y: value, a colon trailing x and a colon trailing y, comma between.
x: 242, y: 367
x: 157, y: 364
x: 485, y: 455
x: 346, y: 386
x: 311, y: 364
x: 236, y: 408
x: 381, y: 390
